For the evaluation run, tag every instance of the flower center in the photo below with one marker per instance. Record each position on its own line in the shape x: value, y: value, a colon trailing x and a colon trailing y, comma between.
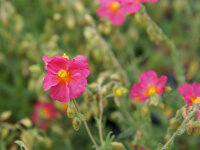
x: 44, y: 113
x: 195, y: 99
x: 136, y: 1
x: 65, y: 56
x: 114, y: 7
x: 151, y: 91
x: 64, y: 76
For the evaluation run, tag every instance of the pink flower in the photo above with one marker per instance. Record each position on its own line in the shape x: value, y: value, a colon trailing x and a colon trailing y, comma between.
x: 191, y: 94
x: 66, y: 79
x: 115, y: 10
x: 133, y: 6
x: 149, y: 85
x: 142, y: 148
x: 43, y: 113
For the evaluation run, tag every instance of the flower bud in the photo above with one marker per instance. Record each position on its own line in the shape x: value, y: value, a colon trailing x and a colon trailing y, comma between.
x: 138, y: 17
x: 189, y: 127
x: 115, y: 77
x: 4, y: 133
x: 78, y: 7
x: 151, y: 32
x: 57, y: 16
x: 167, y: 89
x: 88, y: 19
x: 88, y: 33
x: 162, y: 106
x: 119, y: 91
x: 76, y: 123
x: 35, y: 70
x: 71, y: 112
x: 154, y: 100
x: 197, y: 131
x: 184, y: 112
x: 5, y: 115
x: 134, y: 145
x: 118, y: 146
x: 70, y: 22
x: 158, y: 39
x: 48, y: 143
x: 173, y: 123
x: 144, y: 111
x: 26, y: 122
x: 167, y: 137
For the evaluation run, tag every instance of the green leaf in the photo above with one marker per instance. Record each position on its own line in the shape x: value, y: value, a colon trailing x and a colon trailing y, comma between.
x: 170, y: 147
x: 128, y: 132
x: 159, y: 146
x: 21, y: 145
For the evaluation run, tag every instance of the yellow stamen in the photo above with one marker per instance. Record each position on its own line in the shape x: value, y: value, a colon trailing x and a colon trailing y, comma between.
x: 195, y: 99
x: 136, y: 1
x: 62, y: 74
x: 45, y: 113
x: 65, y: 56
x: 151, y: 91
x: 114, y: 7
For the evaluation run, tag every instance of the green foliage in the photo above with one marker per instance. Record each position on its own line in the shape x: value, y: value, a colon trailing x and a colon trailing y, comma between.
x: 162, y: 36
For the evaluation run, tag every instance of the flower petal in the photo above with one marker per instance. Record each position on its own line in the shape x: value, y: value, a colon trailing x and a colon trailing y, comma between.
x: 60, y: 92
x: 132, y: 7
x: 117, y: 19
x: 148, y: 78
x: 77, y: 86
x: 79, y: 65
x: 153, y: 1
x: 196, y: 89
x: 185, y: 90
x: 137, y: 91
x: 57, y: 63
x: 49, y: 81
x: 161, y: 83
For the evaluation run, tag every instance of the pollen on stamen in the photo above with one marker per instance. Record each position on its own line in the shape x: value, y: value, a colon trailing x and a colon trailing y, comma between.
x: 64, y: 76
x: 114, y: 7
x: 65, y: 56
x: 151, y: 91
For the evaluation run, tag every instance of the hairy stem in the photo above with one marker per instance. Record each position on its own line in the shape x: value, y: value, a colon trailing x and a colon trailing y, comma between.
x: 175, y: 55
x: 177, y: 131
x: 86, y: 125
x: 100, y: 120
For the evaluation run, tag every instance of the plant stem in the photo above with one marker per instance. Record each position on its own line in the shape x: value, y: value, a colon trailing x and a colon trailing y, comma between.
x: 100, y: 120
x: 175, y: 56
x: 86, y: 125
x: 177, y: 131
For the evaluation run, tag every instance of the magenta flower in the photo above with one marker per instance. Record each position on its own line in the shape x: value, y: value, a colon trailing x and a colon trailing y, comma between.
x: 191, y: 94
x: 133, y: 6
x: 142, y: 148
x: 66, y: 79
x: 149, y: 85
x: 115, y: 10
x: 43, y: 113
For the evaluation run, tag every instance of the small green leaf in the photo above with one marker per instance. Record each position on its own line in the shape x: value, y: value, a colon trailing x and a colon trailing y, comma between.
x: 159, y: 146
x: 128, y: 132
x: 170, y: 147
x: 21, y: 145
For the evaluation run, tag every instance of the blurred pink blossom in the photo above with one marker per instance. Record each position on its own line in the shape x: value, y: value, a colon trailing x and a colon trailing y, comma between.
x: 149, y: 85
x: 43, y: 113
x: 191, y: 94
x: 115, y: 10
x: 133, y: 6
